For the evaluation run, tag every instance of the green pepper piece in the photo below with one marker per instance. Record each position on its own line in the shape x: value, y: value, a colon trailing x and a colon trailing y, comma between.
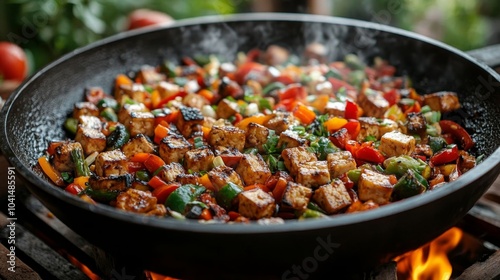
x: 227, y: 194
x: 109, y: 114
x: 310, y: 214
x: 117, y: 138
x: 333, y: 73
x: 108, y: 103
x: 81, y: 169
x: 436, y: 143
x: 104, y: 196
x: 313, y: 206
x: 399, y: 165
x: 409, y: 185
x: 356, y: 77
x: 354, y: 175
x: 71, y: 125
x: 142, y: 175
x: 168, y: 68
x: 271, y: 87
x: 353, y: 62
x: 179, y: 198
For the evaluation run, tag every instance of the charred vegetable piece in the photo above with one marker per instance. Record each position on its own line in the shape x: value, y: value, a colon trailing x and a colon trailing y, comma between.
x: 399, y: 165
x: 226, y: 195
x: 117, y: 138
x: 178, y: 199
x: 81, y: 168
x: 101, y: 194
x: 409, y: 185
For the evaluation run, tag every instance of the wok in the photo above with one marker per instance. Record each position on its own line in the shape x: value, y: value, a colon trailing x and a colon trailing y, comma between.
x: 35, y: 112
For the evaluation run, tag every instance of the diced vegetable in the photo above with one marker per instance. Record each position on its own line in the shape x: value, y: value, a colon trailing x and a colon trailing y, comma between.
x: 180, y: 197
x: 226, y: 195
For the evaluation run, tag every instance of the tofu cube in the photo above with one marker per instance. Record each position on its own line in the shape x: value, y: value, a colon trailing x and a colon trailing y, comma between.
x: 141, y: 123
x: 227, y: 136
x: 387, y: 125
x: 167, y: 89
x: 199, y: 160
x: 396, y: 144
x: 111, y: 183
x: 226, y: 109
x: 111, y: 163
x: 190, y: 121
x: 296, y: 196
x: 148, y: 75
x: 170, y: 172
x: 369, y: 127
x: 374, y: 186
x: 335, y: 109
x: 253, y: 169
x: 221, y: 175
x: 332, y: 197
x: 173, y: 148
x: 372, y: 102
x: 443, y: 101
x: 281, y: 122
x: 92, y: 140
x: 85, y: 109
x: 416, y: 124
x: 185, y: 179
x: 127, y: 109
x: 256, y: 204
x: 313, y: 174
x: 290, y: 139
x: 92, y: 122
x: 294, y: 157
x: 136, y: 201
x: 136, y: 92
x: 137, y: 144
x: 62, y: 156
x: 256, y: 136
x: 339, y: 163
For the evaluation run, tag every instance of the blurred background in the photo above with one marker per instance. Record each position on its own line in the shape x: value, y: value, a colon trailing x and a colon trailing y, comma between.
x: 46, y: 29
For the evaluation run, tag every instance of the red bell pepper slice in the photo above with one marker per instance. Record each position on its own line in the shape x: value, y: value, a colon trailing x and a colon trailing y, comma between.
x: 231, y: 160
x: 161, y: 193
x: 347, y: 182
x: 293, y: 91
x: 370, y: 154
x: 242, y: 72
x: 352, y: 146
x: 340, y: 137
x: 153, y: 162
x: 458, y: 133
x: 392, y: 96
x: 180, y: 93
x: 134, y: 166
x: 353, y: 128
x: 445, y: 156
x: 73, y: 189
x: 351, y: 110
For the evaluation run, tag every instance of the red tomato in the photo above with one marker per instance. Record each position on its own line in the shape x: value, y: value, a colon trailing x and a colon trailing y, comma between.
x: 13, y: 62
x: 144, y: 17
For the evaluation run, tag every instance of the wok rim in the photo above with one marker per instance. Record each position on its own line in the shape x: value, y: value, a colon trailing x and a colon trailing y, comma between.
x: 490, y: 164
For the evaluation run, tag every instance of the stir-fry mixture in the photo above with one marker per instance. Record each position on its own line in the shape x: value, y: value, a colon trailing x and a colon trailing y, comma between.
x: 267, y: 137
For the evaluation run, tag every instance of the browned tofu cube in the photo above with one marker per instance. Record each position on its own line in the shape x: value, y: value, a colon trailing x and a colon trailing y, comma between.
x: 256, y: 204
x: 148, y: 75
x: 227, y: 136
x: 111, y: 183
x: 226, y: 109
x: 137, y: 144
x: 141, y: 123
x: 256, y: 136
x: 190, y: 121
x: 136, y: 92
x: 185, y: 179
x: 90, y: 122
x: 281, y: 121
x: 339, y: 163
x: 111, y: 163
x: 221, y: 175
x: 167, y: 89
x: 253, y: 169
x: 290, y: 139
x: 335, y: 109
x: 373, y: 127
x: 136, y: 201
x: 173, y: 148
x: 296, y: 196
x: 396, y: 144
x: 443, y: 101
x: 92, y: 140
x: 62, y: 156
x: 294, y: 157
x: 85, y: 109
x: 313, y: 174
x: 170, y: 172
x: 416, y: 124
x: 374, y: 186
x: 127, y: 109
x: 198, y: 160
x: 332, y: 197
x: 372, y: 102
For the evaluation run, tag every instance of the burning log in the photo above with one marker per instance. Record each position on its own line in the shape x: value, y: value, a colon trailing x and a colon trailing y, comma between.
x: 488, y: 269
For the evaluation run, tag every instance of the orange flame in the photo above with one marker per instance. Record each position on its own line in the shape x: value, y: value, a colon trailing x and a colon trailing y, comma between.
x: 430, y: 261
x: 91, y: 275
x: 155, y: 276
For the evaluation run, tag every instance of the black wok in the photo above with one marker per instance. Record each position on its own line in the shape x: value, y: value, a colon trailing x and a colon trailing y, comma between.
x: 34, y: 115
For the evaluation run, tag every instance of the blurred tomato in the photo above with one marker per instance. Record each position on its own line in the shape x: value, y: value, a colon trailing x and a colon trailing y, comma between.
x: 144, y: 17
x: 13, y: 63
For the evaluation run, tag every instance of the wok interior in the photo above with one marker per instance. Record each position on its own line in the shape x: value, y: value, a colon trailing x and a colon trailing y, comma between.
x: 39, y: 109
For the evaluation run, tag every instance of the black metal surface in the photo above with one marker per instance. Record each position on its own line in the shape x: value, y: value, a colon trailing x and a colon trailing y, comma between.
x: 35, y: 112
